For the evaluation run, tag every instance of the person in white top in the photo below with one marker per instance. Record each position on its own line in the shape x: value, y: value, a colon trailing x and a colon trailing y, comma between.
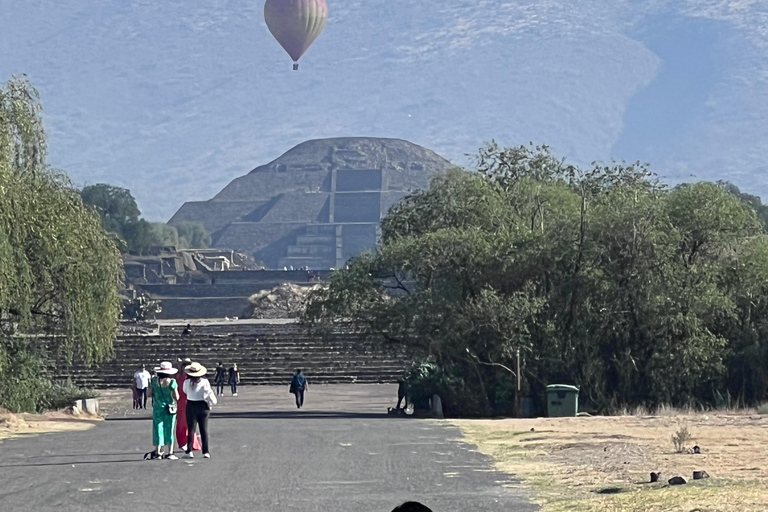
x: 142, y: 378
x: 200, y: 397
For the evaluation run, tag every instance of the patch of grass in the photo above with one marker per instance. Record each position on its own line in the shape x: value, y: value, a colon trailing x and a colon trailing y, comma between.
x: 566, y: 462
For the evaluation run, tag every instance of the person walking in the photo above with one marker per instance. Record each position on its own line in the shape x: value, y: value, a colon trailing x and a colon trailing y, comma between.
x: 181, y: 422
x: 402, y: 393
x: 234, y: 379
x: 165, y: 395
x: 220, y: 378
x: 200, y: 397
x: 135, y: 393
x: 142, y: 377
x: 299, y: 385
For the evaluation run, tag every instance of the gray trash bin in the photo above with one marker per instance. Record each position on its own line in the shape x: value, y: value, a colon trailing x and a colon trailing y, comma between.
x: 562, y: 401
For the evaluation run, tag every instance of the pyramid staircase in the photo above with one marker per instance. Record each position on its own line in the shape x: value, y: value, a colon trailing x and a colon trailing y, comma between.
x: 266, y: 354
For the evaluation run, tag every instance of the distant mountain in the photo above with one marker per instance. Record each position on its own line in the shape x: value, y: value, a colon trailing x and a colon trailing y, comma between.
x: 317, y: 205
x: 174, y: 98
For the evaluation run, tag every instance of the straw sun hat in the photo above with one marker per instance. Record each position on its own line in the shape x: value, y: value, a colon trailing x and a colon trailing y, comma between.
x: 195, y: 370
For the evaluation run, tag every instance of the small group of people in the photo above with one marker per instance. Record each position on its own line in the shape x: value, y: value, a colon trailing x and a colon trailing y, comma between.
x: 181, y: 405
x: 222, y: 376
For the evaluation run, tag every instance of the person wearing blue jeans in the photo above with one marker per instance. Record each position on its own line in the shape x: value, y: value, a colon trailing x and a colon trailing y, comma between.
x: 298, y: 387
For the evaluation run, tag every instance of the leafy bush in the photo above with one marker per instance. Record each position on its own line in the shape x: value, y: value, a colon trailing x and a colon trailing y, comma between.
x: 61, y: 396
x: 23, y: 376
x: 461, y: 397
x: 26, y: 384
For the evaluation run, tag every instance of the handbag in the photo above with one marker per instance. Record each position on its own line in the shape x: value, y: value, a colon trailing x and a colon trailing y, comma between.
x: 172, y: 408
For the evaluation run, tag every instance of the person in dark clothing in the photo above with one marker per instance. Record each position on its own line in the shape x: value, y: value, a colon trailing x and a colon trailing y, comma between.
x: 234, y: 379
x: 402, y: 389
x: 187, y: 330
x: 299, y: 385
x: 220, y: 378
x: 412, y: 506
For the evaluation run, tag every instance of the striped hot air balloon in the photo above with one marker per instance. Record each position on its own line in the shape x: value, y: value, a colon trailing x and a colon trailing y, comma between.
x: 296, y: 24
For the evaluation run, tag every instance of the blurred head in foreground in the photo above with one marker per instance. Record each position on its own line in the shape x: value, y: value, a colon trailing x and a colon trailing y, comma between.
x: 412, y: 506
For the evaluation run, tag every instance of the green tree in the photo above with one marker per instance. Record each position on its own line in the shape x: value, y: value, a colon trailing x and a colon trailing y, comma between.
x: 116, y: 206
x: 166, y: 235
x: 121, y: 216
x: 753, y: 202
x: 60, y: 272
x: 600, y: 277
x: 193, y: 235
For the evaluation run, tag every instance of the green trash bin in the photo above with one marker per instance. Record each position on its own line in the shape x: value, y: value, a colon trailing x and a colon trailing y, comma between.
x: 562, y: 400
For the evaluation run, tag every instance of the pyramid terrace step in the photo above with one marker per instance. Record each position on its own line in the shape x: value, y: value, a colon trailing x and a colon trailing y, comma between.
x: 264, y: 354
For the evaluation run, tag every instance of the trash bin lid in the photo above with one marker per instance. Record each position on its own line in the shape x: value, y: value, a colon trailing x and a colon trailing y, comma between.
x: 562, y: 387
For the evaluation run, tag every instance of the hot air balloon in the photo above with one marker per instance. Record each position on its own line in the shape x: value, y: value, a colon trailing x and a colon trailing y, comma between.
x: 296, y: 24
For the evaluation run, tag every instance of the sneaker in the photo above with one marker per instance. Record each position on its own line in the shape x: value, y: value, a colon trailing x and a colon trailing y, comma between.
x: 206, y: 455
x: 183, y: 448
x: 234, y: 394
x: 172, y: 457
x: 189, y: 455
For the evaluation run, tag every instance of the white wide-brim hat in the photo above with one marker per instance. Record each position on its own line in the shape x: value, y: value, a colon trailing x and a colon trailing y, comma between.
x: 195, y: 370
x: 166, y: 367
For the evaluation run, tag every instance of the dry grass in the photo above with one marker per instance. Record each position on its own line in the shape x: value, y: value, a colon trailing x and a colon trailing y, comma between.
x: 568, y: 461
x: 13, y: 425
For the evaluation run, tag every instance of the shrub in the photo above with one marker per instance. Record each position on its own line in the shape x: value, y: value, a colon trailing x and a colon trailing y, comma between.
x: 61, y: 396
x: 461, y: 396
x: 26, y: 384
x: 23, y: 376
x: 681, y: 438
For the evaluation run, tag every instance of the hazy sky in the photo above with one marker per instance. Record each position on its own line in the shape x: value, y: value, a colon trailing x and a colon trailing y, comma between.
x: 173, y: 99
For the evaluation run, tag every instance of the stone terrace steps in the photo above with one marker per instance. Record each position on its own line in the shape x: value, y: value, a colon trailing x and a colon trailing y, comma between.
x: 270, y: 357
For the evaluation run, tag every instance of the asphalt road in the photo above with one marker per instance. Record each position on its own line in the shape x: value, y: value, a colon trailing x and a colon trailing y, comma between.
x: 339, y: 453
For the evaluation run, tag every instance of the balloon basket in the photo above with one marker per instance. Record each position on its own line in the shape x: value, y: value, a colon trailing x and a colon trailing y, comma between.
x: 295, y: 67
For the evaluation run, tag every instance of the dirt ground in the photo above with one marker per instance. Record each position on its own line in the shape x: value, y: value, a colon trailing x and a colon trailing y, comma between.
x: 13, y: 425
x: 603, y: 464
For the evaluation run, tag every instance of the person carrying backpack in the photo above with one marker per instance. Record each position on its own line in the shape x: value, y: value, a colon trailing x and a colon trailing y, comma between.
x: 299, y: 385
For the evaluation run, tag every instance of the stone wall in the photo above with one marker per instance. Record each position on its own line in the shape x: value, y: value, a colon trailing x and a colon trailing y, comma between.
x: 202, y: 307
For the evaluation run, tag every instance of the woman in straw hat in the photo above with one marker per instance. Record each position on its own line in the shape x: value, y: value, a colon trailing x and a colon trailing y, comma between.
x: 165, y: 395
x: 200, y: 397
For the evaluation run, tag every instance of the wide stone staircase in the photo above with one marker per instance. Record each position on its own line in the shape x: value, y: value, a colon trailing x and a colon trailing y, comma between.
x: 266, y: 354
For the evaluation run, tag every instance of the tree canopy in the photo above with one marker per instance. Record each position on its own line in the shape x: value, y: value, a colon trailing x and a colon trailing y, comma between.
x: 603, y: 278
x: 60, y: 272
x: 120, y: 215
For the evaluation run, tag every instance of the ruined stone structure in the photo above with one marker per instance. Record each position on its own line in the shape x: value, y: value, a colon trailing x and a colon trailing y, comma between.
x: 317, y: 205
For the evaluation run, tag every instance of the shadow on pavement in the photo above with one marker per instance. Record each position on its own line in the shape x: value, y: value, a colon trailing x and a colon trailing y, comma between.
x: 71, y: 463
x: 278, y: 415
x: 270, y: 415
x: 81, y: 454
